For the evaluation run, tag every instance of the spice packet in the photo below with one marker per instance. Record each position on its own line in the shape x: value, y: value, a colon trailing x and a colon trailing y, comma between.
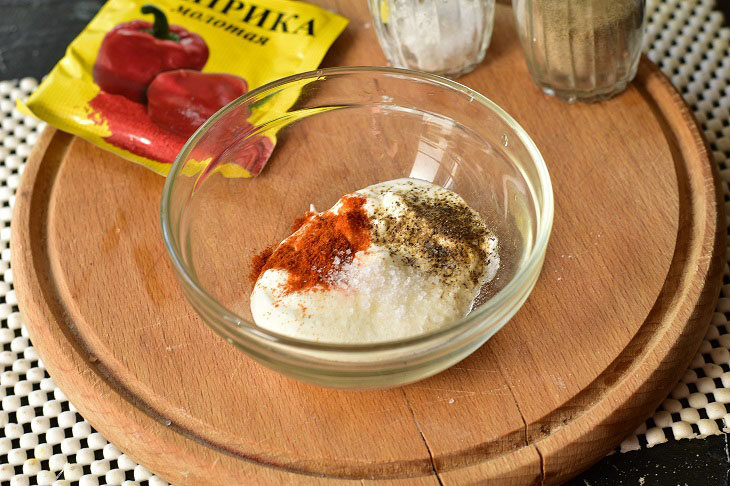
x: 141, y: 78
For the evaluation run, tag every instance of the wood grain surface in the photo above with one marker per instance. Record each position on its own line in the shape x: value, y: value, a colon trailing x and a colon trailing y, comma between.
x: 629, y: 283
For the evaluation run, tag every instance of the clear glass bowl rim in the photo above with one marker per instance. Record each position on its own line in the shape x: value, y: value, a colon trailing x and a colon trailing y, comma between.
x: 237, y: 325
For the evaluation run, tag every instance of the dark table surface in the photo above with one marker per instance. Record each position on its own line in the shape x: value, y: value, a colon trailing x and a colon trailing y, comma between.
x: 34, y: 35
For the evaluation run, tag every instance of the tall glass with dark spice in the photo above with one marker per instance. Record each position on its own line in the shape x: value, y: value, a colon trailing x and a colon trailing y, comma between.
x: 581, y: 50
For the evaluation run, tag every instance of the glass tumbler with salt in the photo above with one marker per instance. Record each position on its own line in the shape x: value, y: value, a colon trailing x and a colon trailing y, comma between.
x: 446, y: 37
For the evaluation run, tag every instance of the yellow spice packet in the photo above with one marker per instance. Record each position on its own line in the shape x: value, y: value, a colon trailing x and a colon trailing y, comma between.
x: 142, y: 77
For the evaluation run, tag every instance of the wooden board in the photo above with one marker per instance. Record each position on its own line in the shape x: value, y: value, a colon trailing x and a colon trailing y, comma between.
x: 630, y: 280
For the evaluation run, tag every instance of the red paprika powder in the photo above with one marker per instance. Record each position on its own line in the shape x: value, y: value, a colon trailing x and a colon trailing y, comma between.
x: 324, y: 239
x: 127, y: 120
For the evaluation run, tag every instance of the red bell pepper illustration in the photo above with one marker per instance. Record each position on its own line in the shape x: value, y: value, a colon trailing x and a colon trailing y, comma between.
x: 133, y: 53
x: 232, y: 141
x: 180, y: 101
x: 251, y: 153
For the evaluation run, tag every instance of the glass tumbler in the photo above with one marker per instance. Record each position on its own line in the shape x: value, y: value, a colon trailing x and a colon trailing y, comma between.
x: 446, y: 37
x: 581, y: 50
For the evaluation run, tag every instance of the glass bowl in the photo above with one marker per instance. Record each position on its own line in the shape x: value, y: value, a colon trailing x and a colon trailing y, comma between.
x: 335, y: 131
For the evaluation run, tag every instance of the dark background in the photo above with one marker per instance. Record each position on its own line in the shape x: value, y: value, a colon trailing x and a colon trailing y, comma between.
x: 33, y: 37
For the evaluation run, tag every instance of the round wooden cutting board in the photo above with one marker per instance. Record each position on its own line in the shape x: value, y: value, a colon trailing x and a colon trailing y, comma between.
x: 630, y: 280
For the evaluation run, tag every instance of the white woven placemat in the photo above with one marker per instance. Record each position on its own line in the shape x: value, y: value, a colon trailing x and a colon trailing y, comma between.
x: 45, y: 441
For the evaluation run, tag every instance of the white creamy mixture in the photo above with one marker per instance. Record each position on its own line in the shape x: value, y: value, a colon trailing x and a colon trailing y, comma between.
x: 428, y: 257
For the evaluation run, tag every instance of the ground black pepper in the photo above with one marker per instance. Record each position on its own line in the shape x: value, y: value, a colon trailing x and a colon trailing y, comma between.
x: 439, y: 235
